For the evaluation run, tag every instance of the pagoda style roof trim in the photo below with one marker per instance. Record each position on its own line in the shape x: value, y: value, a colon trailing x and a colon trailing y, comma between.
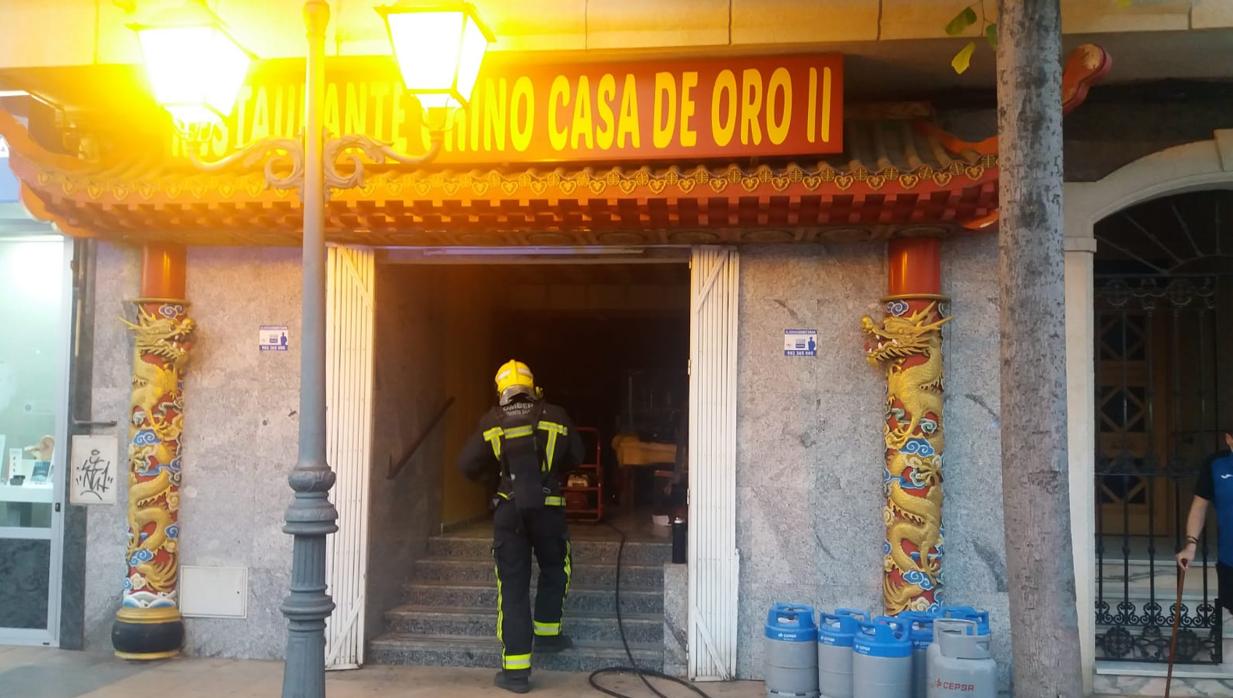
x: 899, y: 176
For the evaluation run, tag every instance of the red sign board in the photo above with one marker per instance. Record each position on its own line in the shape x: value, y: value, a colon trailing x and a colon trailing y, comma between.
x: 524, y: 112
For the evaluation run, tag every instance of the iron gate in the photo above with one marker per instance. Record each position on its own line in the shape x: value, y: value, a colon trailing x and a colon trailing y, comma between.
x: 1157, y: 377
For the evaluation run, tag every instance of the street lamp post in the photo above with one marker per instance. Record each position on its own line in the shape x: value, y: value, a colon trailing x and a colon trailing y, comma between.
x: 443, y: 76
x: 311, y: 516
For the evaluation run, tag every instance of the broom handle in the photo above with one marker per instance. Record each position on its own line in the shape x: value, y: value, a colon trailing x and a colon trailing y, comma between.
x: 1177, y: 620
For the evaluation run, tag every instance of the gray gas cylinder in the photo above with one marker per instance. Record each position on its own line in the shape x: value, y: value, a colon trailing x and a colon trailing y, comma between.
x: 836, y: 632
x: 791, y: 652
x: 920, y: 632
x: 959, y: 661
x: 882, y: 660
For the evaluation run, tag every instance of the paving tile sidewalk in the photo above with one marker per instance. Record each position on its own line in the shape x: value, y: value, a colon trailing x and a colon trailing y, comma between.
x: 28, y: 672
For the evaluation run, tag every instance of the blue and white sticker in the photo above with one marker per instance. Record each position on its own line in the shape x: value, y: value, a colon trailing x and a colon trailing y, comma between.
x: 273, y: 337
x: 800, y: 342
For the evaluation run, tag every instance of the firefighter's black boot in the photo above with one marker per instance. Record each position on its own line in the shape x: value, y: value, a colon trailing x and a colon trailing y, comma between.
x: 514, y: 681
x: 552, y: 644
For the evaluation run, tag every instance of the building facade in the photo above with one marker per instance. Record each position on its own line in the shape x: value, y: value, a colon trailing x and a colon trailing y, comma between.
x: 806, y: 483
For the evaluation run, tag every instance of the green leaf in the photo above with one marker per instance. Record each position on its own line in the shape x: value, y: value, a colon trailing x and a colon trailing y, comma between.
x: 1125, y: 3
x: 963, y: 59
x: 961, y: 22
x: 991, y: 34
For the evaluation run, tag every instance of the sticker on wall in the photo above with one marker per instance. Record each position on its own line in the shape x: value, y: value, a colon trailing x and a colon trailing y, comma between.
x: 92, y: 470
x: 273, y: 337
x: 800, y: 342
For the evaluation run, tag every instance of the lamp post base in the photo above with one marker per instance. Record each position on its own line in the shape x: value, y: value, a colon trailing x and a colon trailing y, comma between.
x: 146, y: 634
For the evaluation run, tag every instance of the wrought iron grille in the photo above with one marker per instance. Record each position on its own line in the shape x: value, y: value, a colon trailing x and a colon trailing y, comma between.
x: 1158, y: 419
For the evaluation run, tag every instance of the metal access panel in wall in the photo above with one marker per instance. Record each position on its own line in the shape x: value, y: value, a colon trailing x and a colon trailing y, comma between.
x: 349, y: 379
x: 714, y: 564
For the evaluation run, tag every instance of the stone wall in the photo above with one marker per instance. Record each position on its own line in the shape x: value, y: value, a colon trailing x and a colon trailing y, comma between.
x: 809, y: 432
x: 408, y: 390
x: 240, y: 429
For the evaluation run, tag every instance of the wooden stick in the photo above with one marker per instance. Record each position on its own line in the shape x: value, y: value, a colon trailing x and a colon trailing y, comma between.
x: 1177, y: 621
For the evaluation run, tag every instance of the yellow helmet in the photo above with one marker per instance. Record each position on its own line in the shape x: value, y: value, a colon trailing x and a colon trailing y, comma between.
x: 514, y: 378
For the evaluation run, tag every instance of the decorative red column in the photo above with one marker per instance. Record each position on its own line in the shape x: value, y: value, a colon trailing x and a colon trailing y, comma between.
x: 148, y: 624
x: 907, y: 344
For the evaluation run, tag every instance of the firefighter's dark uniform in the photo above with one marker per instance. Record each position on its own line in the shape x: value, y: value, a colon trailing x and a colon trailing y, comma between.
x: 533, y: 445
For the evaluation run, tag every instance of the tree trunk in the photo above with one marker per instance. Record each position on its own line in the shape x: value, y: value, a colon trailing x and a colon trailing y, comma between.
x: 1044, y: 623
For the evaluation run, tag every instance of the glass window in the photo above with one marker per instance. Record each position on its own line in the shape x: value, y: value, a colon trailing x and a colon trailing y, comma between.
x: 31, y: 337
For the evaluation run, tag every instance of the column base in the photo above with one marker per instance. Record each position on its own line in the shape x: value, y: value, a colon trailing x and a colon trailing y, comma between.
x: 146, y: 634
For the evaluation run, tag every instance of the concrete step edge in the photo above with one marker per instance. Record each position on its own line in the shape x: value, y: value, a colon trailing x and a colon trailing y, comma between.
x: 432, y: 584
x: 463, y: 641
x: 485, y: 611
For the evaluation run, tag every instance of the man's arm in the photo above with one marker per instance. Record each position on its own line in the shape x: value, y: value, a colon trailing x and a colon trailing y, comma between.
x: 1204, y: 492
x: 1194, y: 527
x: 476, y: 459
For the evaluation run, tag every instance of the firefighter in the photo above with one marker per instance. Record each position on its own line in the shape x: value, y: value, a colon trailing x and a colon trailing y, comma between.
x: 533, y: 446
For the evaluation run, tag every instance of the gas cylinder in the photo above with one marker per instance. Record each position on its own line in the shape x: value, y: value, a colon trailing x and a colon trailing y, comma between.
x: 882, y: 660
x: 920, y: 632
x: 959, y: 660
x: 791, y: 652
x: 836, y: 631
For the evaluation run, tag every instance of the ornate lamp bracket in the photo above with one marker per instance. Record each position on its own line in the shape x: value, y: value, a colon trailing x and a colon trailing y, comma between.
x: 283, y: 158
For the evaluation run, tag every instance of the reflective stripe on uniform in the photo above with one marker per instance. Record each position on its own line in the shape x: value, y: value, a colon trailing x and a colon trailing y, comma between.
x: 569, y: 573
x: 514, y: 662
x: 493, y: 437
x: 554, y: 430
x: 518, y: 432
x: 554, y: 501
x: 547, y: 629
x: 500, y: 606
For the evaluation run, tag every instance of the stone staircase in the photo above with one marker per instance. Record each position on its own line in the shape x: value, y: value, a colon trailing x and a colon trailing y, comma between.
x: 448, y: 616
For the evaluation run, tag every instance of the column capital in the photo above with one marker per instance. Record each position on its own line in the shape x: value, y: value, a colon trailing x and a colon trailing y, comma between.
x: 1077, y: 244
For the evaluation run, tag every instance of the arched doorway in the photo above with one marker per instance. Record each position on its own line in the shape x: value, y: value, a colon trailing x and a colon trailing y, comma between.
x: 1163, y: 373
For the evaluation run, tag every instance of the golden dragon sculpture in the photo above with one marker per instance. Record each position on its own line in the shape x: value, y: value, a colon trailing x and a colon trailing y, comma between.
x: 908, y: 346
x: 162, y: 339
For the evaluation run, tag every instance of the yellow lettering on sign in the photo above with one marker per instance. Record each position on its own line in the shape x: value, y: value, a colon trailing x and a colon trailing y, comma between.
x: 605, y: 93
x: 379, y: 93
x: 218, y: 141
x: 665, y: 110
x: 261, y: 114
x: 811, y: 131
x: 495, y: 93
x: 826, y: 105
x: 333, y: 119
x: 356, y: 118
x: 725, y: 90
x: 751, y: 106
x: 397, y: 137
x: 583, y: 127
x: 280, y: 120
x: 558, y: 94
x: 472, y: 112
x: 522, y: 127
x: 777, y: 125
x: 454, y: 141
x: 689, y: 136
x: 241, y: 115
x: 628, y: 127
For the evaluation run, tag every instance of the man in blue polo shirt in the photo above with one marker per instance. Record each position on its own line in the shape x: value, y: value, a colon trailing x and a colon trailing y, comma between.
x: 1215, y: 485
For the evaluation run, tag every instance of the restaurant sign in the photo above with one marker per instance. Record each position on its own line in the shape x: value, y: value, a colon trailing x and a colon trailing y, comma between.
x: 679, y: 109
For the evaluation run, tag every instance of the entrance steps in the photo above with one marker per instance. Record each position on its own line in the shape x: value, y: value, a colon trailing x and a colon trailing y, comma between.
x: 448, y: 616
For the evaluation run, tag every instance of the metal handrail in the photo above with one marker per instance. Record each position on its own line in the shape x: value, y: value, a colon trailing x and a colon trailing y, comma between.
x: 392, y: 470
